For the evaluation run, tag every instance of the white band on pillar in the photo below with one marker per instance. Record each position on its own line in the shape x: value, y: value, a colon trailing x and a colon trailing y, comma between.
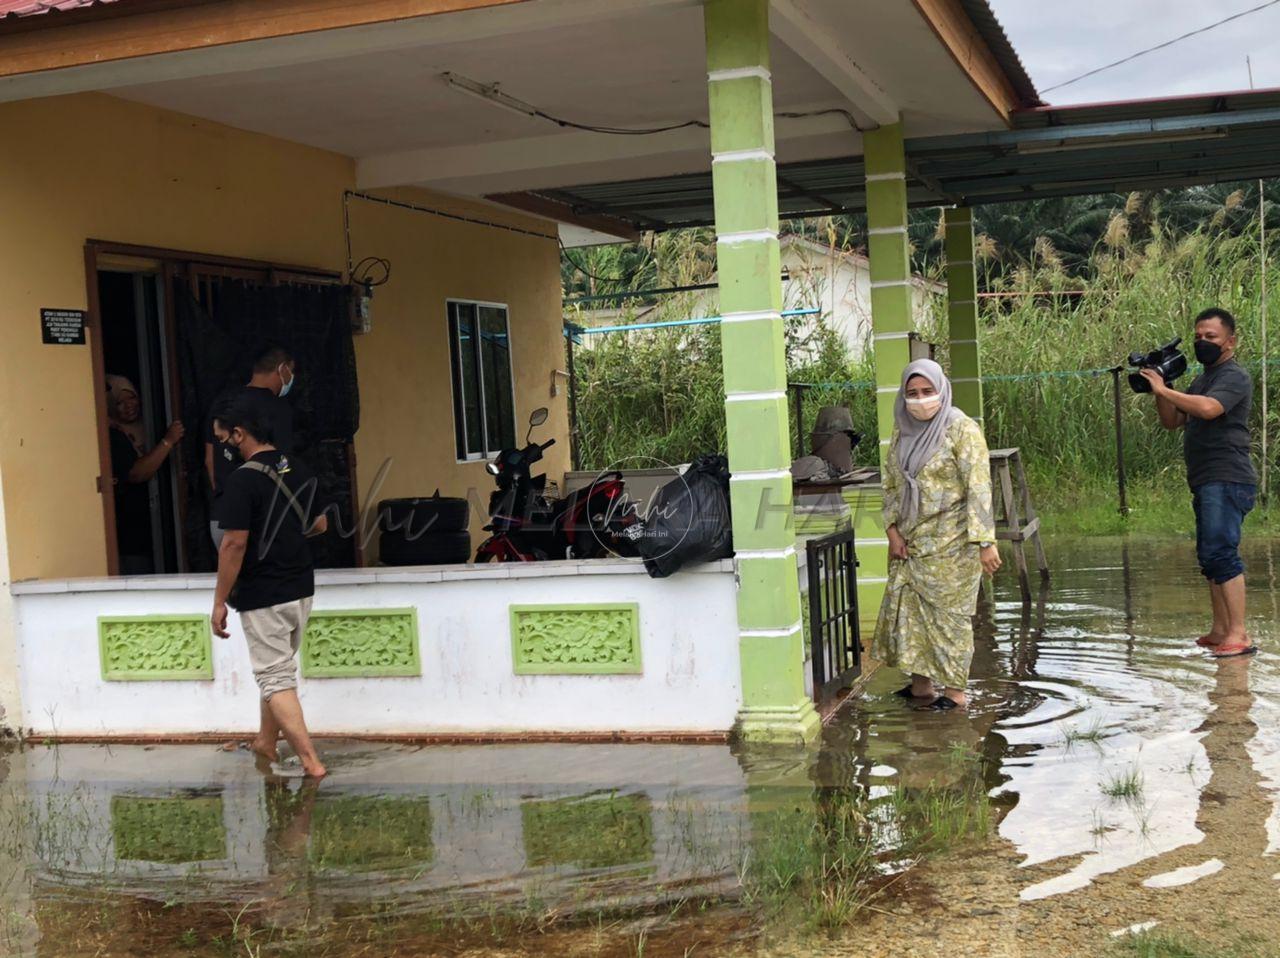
x: 738, y: 73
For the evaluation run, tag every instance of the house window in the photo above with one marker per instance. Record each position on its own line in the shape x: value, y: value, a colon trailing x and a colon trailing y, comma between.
x: 483, y: 398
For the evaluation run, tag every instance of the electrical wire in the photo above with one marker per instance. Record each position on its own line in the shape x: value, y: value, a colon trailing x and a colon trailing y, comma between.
x: 1161, y: 46
x: 360, y: 273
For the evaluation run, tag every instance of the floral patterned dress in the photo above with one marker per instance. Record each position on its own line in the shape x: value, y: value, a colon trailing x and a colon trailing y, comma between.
x: 926, y: 619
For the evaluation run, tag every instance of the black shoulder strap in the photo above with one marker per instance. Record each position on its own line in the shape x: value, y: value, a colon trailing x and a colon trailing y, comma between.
x: 275, y: 477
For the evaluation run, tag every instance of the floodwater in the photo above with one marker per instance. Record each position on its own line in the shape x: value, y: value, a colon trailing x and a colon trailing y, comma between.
x: 1128, y: 781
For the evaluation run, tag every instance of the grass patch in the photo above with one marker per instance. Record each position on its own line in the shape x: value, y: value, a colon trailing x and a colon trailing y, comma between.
x: 1093, y: 735
x: 820, y: 870
x: 1152, y: 945
x: 1126, y: 785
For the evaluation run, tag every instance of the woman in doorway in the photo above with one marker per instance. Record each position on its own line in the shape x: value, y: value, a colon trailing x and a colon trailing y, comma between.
x: 132, y: 466
x: 937, y: 510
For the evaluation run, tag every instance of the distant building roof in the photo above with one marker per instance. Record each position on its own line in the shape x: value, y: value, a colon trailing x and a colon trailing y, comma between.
x: 32, y: 8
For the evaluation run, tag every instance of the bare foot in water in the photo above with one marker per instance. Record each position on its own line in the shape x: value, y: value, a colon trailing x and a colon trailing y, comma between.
x: 314, y: 770
x: 265, y: 749
x: 1210, y: 639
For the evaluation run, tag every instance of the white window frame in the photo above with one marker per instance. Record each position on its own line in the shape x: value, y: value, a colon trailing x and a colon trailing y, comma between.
x: 459, y: 403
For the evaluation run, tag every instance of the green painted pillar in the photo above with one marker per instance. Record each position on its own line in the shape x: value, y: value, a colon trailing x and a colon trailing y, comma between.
x: 962, y: 312
x: 885, y: 163
x: 744, y: 178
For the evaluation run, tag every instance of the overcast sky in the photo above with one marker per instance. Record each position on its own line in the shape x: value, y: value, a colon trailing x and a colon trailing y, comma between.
x: 1060, y: 40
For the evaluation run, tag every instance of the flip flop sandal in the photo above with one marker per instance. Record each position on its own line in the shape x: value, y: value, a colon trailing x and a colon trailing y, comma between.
x: 1247, y: 650
x: 1205, y: 643
x: 940, y: 704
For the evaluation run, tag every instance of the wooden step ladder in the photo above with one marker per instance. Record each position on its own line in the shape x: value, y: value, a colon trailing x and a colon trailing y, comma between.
x: 1016, y: 520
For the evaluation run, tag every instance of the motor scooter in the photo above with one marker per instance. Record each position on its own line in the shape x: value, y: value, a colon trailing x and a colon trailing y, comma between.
x: 526, y: 526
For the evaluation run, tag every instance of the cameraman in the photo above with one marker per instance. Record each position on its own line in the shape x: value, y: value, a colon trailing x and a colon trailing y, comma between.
x: 1214, y: 412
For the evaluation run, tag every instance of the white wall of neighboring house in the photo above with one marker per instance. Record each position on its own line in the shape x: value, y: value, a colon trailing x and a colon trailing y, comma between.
x: 837, y: 282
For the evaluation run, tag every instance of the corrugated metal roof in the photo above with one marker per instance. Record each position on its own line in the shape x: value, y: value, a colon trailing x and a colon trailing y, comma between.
x: 985, y: 22
x: 1070, y: 151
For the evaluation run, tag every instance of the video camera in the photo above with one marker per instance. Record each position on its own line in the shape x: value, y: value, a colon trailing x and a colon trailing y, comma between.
x: 1167, y: 360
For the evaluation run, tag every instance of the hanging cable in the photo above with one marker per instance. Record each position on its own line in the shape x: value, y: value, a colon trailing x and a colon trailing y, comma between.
x: 1161, y: 46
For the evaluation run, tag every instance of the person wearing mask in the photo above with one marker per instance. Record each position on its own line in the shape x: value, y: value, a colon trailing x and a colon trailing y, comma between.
x: 265, y: 571
x: 1214, y: 416
x: 132, y: 466
x: 272, y: 379
x: 941, y: 530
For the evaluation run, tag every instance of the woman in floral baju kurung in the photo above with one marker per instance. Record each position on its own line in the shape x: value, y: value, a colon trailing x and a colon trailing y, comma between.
x: 937, y: 510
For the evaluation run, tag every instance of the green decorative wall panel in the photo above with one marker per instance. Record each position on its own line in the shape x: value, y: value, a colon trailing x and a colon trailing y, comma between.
x: 576, y: 639
x: 356, y: 643
x: 152, y: 647
x: 168, y: 830
x: 588, y: 831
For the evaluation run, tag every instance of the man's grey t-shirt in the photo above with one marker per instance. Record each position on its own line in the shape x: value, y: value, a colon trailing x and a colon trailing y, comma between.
x: 1217, y: 450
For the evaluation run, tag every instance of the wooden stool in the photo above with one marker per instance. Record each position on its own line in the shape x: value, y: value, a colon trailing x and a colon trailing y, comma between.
x: 1016, y: 524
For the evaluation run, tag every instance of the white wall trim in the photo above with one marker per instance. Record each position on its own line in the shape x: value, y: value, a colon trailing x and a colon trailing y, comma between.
x: 964, y: 342
x: 965, y: 379
x: 887, y: 230
x: 883, y: 283
x: 752, y: 396
x: 883, y: 336
x: 883, y: 177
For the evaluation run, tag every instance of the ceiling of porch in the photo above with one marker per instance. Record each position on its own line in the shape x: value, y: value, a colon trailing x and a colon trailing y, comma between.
x: 376, y: 92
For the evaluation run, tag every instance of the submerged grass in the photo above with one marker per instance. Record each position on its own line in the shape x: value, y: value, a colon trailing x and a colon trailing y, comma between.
x: 820, y: 871
x: 1126, y: 785
x: 1166, y: 945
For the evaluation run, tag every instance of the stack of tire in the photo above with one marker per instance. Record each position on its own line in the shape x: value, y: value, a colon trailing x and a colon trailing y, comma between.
x: 425, y: 531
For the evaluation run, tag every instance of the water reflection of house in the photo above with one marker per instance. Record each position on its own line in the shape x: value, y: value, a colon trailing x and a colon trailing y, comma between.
x: 837, y: 282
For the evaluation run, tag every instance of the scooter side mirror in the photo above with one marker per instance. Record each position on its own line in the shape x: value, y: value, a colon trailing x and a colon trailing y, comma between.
x: 536, y: 418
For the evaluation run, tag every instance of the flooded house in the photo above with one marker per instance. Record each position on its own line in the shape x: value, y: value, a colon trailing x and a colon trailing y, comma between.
x: 387, y: 186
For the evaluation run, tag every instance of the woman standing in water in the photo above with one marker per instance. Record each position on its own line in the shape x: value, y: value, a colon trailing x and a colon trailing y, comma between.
x: 937, y: 510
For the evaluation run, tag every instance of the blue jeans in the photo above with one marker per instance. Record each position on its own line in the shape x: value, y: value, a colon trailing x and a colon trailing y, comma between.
x: 1220, y: 508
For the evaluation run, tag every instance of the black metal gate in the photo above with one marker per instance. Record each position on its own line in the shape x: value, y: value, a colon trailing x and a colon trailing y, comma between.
x: 833, y: 614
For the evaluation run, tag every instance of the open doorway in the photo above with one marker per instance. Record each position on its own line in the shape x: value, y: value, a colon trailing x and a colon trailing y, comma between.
x: 174, y: 329
x: 140, y: 406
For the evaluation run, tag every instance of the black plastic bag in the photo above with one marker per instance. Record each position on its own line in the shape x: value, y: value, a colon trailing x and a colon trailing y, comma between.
x: 688, y: 520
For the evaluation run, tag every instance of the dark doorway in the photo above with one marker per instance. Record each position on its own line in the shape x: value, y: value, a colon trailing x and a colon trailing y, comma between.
x: 135, y: 349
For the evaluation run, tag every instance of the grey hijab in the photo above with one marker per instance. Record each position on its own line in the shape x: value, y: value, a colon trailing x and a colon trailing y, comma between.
x: 919, y: 441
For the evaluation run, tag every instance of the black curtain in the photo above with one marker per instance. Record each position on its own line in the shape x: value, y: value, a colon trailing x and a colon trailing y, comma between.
x: 216, y: 345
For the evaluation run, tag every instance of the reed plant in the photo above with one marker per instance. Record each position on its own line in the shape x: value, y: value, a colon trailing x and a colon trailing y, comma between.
x: 1048, y: 339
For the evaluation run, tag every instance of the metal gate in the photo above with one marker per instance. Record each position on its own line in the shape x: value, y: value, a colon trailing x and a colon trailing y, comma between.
x: 833, y: 614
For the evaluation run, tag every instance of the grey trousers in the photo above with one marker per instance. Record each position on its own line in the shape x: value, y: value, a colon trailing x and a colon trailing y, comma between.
x: 274, y: 635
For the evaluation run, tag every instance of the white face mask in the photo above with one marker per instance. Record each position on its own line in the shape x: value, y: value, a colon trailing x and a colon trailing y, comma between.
x: 924, y: 408
x: 286, y: 386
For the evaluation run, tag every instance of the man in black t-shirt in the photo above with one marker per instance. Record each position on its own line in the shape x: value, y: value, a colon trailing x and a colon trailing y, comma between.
x: 1214, y: 414
x: 268, y: 511
x: 272, y: 378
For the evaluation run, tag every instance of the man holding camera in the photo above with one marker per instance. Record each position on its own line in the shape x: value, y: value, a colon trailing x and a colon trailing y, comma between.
x: 1214, y: 414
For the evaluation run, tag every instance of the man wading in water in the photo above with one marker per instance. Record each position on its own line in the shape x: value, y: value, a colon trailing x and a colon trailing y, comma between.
x: 266, y: 572
x: 1214, y: 414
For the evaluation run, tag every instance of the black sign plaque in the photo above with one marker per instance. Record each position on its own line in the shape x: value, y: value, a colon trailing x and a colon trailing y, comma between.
x: 62, y: 327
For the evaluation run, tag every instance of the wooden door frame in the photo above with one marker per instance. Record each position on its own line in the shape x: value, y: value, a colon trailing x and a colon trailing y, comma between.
x: 172, y: 263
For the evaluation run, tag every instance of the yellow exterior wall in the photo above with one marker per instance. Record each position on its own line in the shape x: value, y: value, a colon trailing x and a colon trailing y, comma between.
x: 93, y: 166
x: 406, y: 418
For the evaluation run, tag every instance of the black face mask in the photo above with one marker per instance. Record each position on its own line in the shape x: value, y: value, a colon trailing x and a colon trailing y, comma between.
x: 1207, y: 353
